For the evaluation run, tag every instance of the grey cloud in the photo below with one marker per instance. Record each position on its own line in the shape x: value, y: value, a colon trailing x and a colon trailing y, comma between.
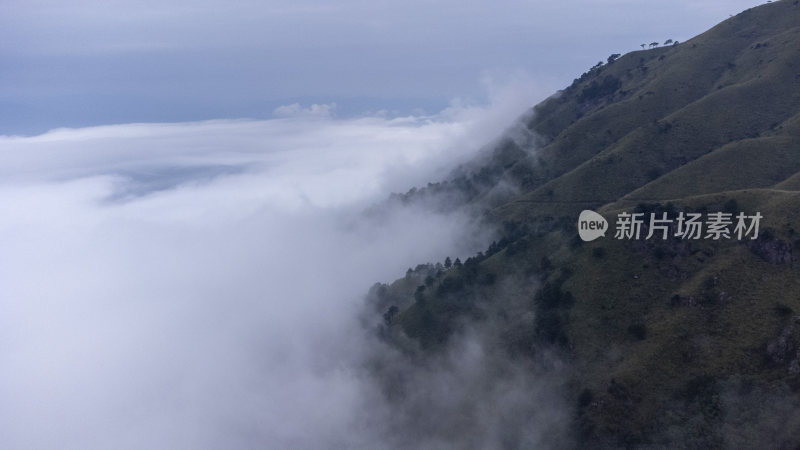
x: 147, y: 180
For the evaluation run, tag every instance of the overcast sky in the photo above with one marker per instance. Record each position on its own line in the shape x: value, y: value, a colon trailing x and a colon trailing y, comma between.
x: 89, y: 62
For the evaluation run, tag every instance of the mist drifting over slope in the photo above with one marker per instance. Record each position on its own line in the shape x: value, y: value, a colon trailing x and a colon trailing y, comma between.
x: 197, y: 285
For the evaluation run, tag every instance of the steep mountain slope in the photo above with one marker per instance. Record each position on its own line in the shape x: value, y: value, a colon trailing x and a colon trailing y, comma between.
x: 668, y: 342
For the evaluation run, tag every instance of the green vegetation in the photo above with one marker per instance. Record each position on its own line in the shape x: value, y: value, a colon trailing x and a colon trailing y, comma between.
x: 670, y: 343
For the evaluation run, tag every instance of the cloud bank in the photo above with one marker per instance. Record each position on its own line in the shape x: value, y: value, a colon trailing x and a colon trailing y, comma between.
x: 197, y: 285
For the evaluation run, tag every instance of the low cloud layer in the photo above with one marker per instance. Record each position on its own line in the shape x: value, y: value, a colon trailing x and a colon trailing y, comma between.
x: 197, y: 285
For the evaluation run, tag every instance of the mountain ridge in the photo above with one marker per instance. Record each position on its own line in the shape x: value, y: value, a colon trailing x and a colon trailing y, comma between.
x: 667, y: 341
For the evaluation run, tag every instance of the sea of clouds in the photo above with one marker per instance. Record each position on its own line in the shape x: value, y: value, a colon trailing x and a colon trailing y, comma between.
x: 198, y: 285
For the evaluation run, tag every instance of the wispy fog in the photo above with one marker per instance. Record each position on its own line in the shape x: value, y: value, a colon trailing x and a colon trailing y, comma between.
x: 198, y: 285
x: 471, y: 395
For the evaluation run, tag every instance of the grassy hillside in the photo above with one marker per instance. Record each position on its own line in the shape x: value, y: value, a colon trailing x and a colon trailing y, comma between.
x: 670, y: 343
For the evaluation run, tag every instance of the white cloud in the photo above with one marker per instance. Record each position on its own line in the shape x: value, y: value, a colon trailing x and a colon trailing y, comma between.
x: 196, y: 285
